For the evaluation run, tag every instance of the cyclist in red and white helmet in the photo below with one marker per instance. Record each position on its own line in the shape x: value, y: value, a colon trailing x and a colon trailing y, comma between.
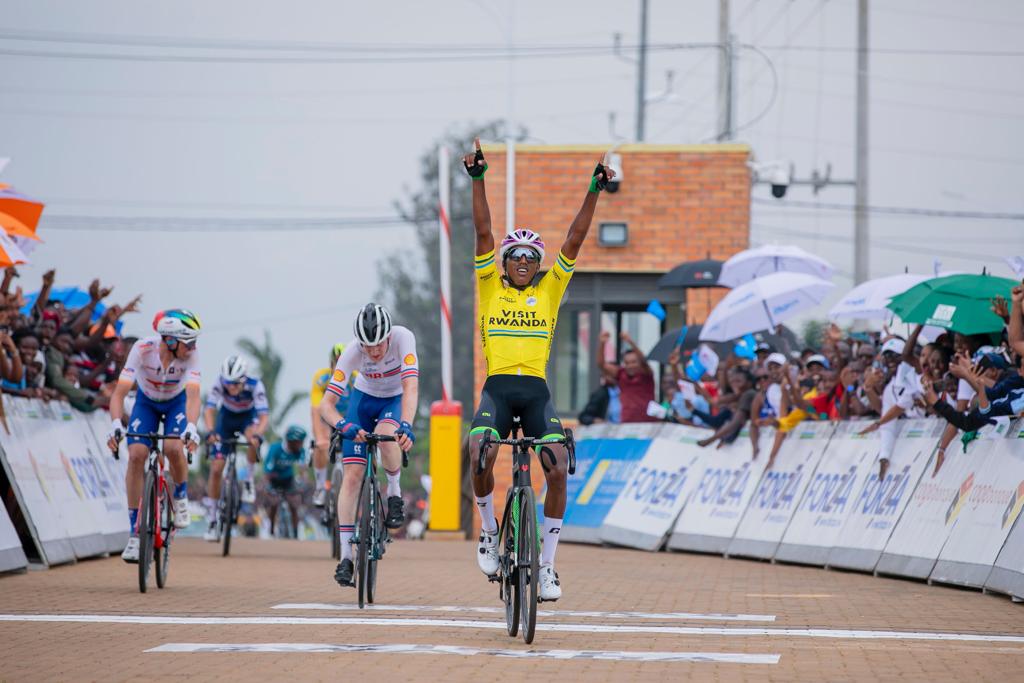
x: 165, y: 367
x: 383, y: 400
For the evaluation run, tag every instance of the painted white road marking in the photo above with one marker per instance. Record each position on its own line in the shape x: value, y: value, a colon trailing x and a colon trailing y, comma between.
x: 686, y: 616
x: 852, y: 634
x: 613, y: 655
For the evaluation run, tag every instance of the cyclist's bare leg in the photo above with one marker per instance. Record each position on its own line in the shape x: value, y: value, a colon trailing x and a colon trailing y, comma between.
x: 250, y: 452
x: 391, y: 458
x: 554, y: 460
x: 293, y: 505
x: 216, y: 477
x: 321, y: 442
x: 137, y: 454
x: 483, y: 482
x: 348, y: 498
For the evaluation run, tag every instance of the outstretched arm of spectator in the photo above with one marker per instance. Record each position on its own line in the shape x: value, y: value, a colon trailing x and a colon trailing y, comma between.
x: 80, y: 399
x: 734, y: 424
x: 1015, y: 331
x: 44, y: 292
x: 755, y: 429
x: 645, y: 367
x: 9, y: 275
x: 909, y: 356
x: 84, y: 315
x: 15, y: 370
x: 608, y: 369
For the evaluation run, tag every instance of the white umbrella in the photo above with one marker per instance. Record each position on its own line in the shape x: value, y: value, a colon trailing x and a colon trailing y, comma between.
x: 772, y: 258
x: 762, y: 304
x: 868, y: 299
x: 10, y: 252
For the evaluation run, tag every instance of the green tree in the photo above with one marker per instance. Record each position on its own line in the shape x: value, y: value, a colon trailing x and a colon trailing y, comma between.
x: 412, y: 293
x: 270, y: 363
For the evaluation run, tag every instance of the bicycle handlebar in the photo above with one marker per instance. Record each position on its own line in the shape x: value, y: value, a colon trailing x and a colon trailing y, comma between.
x: 527, y: 442
x: 143, y: 435
x: 370, y: 439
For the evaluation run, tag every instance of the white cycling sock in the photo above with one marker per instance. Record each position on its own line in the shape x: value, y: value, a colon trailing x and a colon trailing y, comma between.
x: 345, y: 532
x: 486, y: 507
x: 552, y: 527
x: 321, y: 476
x: 394, y: 487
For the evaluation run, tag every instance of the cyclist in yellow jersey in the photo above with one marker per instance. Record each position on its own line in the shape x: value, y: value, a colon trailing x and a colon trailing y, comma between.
x: 321, y: 430
x: 518, y: 310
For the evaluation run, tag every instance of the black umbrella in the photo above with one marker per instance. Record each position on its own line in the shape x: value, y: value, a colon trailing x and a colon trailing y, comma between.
x: 785, y: 341
x: 702, y: 273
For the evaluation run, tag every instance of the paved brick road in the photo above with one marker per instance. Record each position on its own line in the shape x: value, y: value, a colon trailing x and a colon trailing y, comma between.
x: 232, y: 601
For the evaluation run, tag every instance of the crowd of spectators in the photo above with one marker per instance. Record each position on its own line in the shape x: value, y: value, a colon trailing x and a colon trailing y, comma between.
x: 54, y: 353
x: 876, y: 377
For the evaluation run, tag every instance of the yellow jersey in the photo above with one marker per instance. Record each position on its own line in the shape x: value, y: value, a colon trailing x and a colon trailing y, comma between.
x: 518, y: 326
x: 321, y: 378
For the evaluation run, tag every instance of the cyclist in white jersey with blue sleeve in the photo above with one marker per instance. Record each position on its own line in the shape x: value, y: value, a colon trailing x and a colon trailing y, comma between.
x: 384, y: 401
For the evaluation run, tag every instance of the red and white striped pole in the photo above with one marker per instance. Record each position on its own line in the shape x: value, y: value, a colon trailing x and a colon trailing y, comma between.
x: 445, y: 242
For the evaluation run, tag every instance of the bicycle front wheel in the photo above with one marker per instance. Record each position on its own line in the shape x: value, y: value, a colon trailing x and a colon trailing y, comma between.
x: 229, y: 495
x: 364, y: 527
x: 509, y: 590
x: 164, y: 527
x: 147, y: 523
x: 528, y: 560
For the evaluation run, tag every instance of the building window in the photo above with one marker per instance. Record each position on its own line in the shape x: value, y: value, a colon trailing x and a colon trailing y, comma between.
x: 573, y: 361
x: 612, y: 234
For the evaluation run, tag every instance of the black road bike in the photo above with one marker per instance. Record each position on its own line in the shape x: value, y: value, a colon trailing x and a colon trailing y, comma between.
x: 230, y: 502
x: 519, y: 534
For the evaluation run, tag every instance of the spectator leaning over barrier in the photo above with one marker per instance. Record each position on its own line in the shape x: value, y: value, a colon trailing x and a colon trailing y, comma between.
x: 689, y: 401
x: 634, y: 379
x: 741, y: 385
x: 770, y: 403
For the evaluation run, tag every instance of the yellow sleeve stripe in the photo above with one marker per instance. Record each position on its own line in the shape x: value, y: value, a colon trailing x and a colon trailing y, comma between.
x: 565, y: 263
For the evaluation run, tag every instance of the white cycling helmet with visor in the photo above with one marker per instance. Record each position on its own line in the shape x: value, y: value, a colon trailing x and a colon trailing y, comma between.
x: 372, y: 324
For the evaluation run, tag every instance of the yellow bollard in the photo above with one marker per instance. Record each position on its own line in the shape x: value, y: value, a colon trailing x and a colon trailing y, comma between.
x: 445, y: 466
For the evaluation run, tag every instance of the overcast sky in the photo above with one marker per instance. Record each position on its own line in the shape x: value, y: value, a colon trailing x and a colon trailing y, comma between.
x: 128, y: 137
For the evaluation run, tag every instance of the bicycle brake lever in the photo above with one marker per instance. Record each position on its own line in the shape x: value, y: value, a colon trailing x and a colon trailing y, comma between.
x: 405, y: 459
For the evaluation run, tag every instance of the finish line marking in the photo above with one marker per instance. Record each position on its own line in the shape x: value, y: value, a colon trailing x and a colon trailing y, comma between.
x: 687, y: 616
x: 410, y: 649
x: 843, y: 634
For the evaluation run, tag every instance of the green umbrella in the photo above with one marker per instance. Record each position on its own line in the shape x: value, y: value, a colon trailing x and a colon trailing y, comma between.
x: 961, y: 303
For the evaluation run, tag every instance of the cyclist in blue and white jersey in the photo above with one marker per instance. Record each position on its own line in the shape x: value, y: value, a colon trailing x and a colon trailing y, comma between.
x: 166, y: 369
x: 237, y: 403
x: 279, y: 468
x: 384, y: 401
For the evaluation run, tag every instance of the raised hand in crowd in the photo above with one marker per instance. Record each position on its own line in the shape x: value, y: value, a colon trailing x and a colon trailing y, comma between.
x: 1000, y: 308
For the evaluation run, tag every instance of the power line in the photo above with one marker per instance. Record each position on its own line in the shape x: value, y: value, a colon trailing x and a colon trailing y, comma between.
x: 83, y: 223
x: 894, y: 210
x: 924, y: 52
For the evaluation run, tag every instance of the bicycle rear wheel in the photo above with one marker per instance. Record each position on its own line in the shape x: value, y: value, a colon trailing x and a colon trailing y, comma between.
x: 164, y: 528
x: 527, y: 559
x: 332, y: 513
x: 364, y: 527
x: 147, y: 528
x: 229, y: 495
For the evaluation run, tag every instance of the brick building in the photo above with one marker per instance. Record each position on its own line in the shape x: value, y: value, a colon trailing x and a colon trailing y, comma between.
x: 677, y: 202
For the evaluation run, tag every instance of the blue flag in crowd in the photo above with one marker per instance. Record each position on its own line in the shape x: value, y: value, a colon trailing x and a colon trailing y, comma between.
x: 656, y: 309
x: 695, y: 368
x: 745, y: 348
x: 682, y: 335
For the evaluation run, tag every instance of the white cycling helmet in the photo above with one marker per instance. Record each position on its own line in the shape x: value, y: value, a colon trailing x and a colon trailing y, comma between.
x: 233, y: 369
x: 178, y: 323
x: 522, y: 237
x: 372, y: 324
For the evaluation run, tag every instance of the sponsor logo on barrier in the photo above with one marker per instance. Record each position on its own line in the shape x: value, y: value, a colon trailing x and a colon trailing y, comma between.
x: 723, y: 486
x: 829, y: 494
x: 595, y: 480
x: 72, y: 476
x: 1013, y: 509
x: 959, y: 499
x: 883, y: 498
x: 777, y: 492
x: 39, y: 476
x: 658, y: 490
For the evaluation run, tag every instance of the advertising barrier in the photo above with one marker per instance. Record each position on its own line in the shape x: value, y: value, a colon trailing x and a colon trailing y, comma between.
x: 70, y: 491
x: 603, y: 465
x: 656, y: 491
x: 934, y: 510
x: 879, y: 505
x: 726, y: 481
x: 992, y: 507
x: 831, y: 494
x: 11, y: 555
x: 1007, y: 576
x: 780, y: 491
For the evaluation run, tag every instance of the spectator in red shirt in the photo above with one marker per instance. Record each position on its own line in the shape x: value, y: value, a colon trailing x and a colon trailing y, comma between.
x: 634, y: 378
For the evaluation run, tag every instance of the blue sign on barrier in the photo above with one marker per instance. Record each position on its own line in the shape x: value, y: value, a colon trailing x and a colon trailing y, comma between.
x: 603, y: 466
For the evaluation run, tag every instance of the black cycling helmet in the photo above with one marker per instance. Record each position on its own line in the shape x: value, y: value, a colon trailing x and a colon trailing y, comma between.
x: 372, y: 324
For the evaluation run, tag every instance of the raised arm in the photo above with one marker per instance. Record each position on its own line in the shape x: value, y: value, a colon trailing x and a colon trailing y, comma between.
x: 1015, y: 332
x: 645, y: 367
x: 909, y: 357
x: 476, y: 167
x: 581, y: 224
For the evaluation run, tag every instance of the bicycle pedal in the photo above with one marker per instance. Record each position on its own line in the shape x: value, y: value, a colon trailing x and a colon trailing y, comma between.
x: 493, y: 578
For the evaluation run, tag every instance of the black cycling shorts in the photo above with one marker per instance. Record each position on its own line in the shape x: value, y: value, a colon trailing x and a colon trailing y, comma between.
x: 505, y: 397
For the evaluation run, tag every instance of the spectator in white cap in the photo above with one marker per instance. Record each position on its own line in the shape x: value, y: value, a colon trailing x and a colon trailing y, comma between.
x: 770, y: 403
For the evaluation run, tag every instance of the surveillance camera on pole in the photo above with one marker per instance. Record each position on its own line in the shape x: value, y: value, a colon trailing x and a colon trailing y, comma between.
x: 778, y: 174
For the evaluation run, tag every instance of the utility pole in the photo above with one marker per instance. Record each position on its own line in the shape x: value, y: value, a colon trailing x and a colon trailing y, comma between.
x: 725, y: 89
x: 641, y: 80
x: 860, y: 226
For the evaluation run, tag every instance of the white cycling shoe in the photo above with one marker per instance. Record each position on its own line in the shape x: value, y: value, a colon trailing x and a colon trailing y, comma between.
x: 550, y: 586
x: 248, y: 492
x: 212, y: 532
x: 130, y: 553
x: 182, y: 516
x: 320, y: 498
x: 487, y: 553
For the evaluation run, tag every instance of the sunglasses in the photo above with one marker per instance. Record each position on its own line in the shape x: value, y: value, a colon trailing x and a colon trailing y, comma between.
x: 517, y: 253
x: 172, y: 342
